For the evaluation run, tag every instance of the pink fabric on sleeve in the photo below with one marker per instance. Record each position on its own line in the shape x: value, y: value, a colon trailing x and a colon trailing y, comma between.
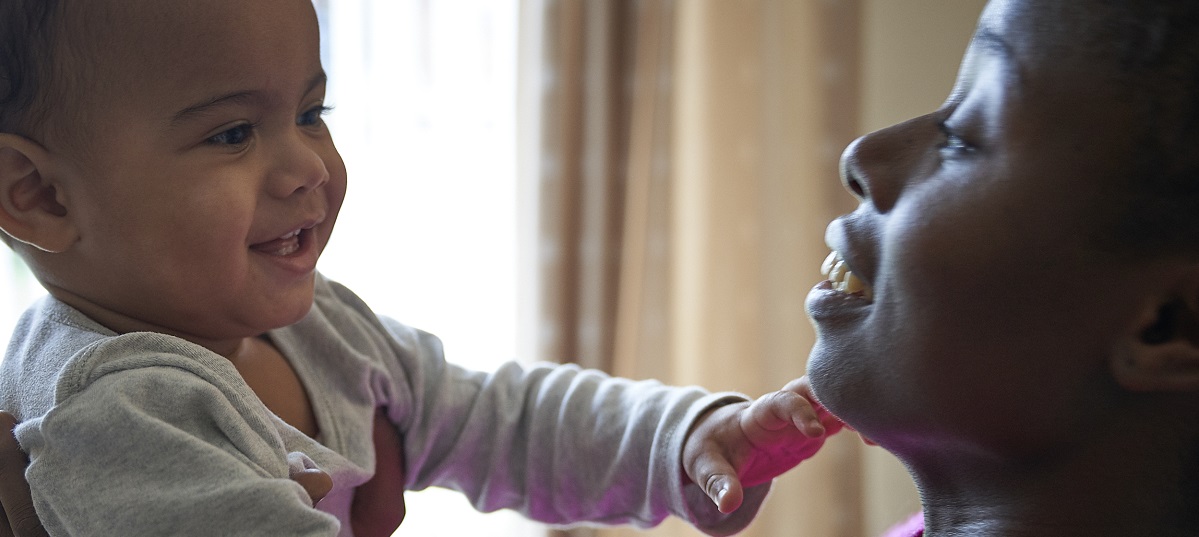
x: 912, y: 527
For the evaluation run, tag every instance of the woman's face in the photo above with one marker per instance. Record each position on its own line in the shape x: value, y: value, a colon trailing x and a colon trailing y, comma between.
x: 991, y: 315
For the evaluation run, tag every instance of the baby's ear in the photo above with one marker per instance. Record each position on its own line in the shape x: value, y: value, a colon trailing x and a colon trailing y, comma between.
x: 31, y: 207
x: 1164, y: 355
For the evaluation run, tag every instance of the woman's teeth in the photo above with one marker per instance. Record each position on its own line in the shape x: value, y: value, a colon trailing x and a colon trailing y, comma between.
x: 837, y: 272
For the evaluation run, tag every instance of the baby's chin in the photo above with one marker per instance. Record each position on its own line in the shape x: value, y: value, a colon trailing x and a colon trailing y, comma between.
x: 290, y: 315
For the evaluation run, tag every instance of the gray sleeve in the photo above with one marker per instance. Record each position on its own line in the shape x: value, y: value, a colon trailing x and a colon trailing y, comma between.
x: 160, y: 450
x: 560, y: 444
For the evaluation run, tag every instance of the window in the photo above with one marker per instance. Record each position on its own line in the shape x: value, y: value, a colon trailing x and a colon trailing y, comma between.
x: 424, y: 97
x: 18, y: 289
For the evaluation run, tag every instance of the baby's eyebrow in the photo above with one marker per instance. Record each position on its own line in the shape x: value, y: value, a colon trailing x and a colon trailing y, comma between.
x: 237, y: 97
x: 202, y: 107
x: 317, y: 80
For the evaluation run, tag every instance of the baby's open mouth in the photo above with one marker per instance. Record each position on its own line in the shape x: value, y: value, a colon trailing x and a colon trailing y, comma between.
x: 283, y: 246
x: 837, y: 271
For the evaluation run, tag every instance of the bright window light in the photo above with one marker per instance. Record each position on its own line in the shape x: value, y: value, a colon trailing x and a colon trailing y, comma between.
x: 425, y: 98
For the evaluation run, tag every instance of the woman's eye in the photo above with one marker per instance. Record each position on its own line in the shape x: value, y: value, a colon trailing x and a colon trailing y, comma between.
x: 238, y: 135
x: 313, y: 116
x: 954, y: 143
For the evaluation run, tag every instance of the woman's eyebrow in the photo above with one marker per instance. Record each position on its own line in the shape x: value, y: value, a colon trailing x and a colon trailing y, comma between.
x: 987, y: 41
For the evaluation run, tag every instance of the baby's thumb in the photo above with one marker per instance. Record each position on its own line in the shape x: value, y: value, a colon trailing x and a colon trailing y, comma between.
x: 302, y: 470
x: 315, y: 482
x: 719, y: 481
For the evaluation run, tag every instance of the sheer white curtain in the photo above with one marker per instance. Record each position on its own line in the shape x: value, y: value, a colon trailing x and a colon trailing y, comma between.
x: 424, y: 97
x: 18, y: 290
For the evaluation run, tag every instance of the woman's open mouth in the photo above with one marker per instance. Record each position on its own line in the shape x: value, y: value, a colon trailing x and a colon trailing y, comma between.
x: 842, y: 279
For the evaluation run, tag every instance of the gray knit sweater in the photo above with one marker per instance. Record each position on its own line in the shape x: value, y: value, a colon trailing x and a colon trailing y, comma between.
x: 145, y: 434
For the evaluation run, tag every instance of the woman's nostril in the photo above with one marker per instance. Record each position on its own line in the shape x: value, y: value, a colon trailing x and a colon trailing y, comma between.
x: 856, y: 187
x: 850, y: 169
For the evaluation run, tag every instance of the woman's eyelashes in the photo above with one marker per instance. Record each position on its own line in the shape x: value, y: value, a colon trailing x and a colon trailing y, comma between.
x: 953, y: 144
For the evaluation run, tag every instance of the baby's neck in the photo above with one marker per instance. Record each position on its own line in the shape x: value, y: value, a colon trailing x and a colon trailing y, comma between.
x: 275, y: 382
x: 123, y: 323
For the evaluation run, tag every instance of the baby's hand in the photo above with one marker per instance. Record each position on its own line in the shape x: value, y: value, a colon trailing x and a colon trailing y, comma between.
x: 747, y: 444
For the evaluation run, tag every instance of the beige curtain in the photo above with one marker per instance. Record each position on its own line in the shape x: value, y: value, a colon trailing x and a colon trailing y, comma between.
x: 687, y: 168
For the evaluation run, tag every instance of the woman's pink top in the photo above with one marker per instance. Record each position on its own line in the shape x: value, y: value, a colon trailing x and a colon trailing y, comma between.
x: 912, y: 527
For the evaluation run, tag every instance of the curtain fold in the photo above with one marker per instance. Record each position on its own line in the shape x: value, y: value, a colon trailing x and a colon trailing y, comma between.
x: 687, y: 169
x: 584, y: 145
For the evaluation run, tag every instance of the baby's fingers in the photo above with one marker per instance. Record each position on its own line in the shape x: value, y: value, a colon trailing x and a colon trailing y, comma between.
x: 802, y: 387
x: 785, y: 409
x: 719, y: 481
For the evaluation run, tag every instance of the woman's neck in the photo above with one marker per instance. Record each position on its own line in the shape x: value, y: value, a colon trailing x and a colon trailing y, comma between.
x: 1127, y: 482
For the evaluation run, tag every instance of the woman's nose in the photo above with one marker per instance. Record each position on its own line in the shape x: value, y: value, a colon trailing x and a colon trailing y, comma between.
x: 876, y: 167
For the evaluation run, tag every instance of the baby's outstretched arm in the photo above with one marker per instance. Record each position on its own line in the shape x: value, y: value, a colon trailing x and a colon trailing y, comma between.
x: 745, y: 444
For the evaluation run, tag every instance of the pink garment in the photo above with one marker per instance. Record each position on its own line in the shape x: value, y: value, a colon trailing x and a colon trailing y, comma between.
x: 912, y: 527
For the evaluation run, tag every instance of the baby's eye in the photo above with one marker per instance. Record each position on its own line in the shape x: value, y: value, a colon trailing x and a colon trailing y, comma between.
x: 313, y: 116
x: 237, y: 135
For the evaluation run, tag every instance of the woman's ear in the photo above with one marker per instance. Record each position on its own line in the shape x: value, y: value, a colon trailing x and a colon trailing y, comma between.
x: 1164, y: 353
x: 31, y: 204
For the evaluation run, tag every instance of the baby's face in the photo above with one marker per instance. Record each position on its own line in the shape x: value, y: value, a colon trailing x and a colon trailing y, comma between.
x: 210, y: 184
x: 993, y: 313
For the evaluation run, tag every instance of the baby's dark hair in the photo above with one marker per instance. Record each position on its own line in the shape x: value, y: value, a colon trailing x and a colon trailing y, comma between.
x: 1156, y: 44
x: 26, y: 63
